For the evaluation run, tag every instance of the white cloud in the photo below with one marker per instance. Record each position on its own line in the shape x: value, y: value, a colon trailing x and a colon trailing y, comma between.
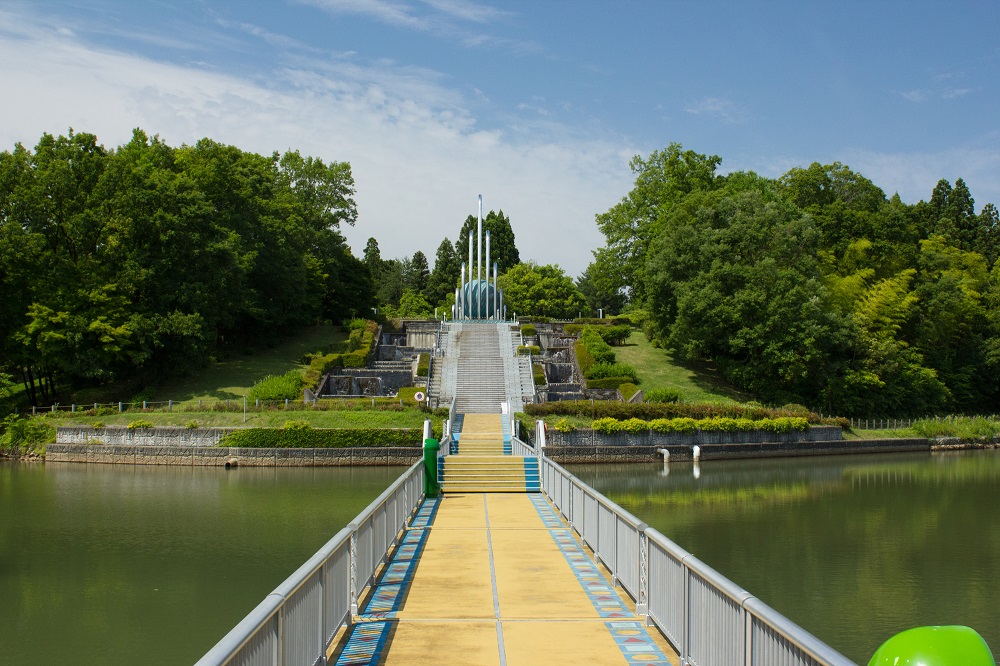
x: 719, y: 107
x: 418, y: 157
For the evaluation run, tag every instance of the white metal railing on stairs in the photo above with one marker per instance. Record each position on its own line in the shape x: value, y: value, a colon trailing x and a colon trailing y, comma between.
x: 707, y: 618
x: 297, y: 622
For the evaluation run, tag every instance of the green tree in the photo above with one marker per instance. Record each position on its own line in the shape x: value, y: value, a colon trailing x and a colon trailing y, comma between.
x: 601, y: 287
x: 541, y: 291
x: 418, y: 273
x: 662, y: 180
x: 503, y: 249
x: 444, y: 279
x: 734, y: 279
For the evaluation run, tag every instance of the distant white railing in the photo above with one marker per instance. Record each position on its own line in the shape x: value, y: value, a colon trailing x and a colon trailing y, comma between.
x: 298, y: 621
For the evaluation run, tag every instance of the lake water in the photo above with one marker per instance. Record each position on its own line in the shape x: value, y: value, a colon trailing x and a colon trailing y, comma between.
x: 108, y: 564
x: 853, y: 549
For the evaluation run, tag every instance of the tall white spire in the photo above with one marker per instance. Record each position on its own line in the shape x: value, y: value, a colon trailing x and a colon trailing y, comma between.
x: 479, y: 244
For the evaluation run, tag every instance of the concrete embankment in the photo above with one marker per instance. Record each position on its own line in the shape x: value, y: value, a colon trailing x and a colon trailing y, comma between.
x: 683, y: 452
x: 132, y: 454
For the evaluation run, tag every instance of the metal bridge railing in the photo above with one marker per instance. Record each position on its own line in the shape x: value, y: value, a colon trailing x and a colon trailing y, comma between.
x: 707, y: 618
x: 296, y: 623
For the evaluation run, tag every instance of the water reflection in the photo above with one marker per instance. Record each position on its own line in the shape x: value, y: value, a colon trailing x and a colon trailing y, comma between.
x: 854, y: 548
x: 121, y: 564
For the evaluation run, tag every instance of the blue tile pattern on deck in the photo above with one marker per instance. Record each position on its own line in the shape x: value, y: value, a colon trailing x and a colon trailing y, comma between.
x: 505, y: 425
x: 532, y: 483
x: 368, y: 641
x: 629, y: 633
x: 368, y: 638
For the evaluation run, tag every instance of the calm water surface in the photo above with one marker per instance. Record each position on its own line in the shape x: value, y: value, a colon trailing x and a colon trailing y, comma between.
x: 854, y: 549
x: 108, y: 564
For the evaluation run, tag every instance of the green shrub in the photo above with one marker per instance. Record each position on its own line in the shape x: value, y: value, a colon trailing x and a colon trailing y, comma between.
x: 538, y: 371
x: 615, y: 335
x: 191, y: 425
x: 651, y: 410
x: 605, y: 425
x: 583, y: 356
x: 524, y: 350
x: 423, y: 363
x: 627, y: 390
x: 296, y: 425
x: 26, y: 435
x: 277, y: 387
x: 608, y: 382
x: 97, y: 424
x: 528, y: 330
x: 316, y: 438
x: 661, y: 395
x: 634, y: 426
x: 563, y: 425
x: 572, y: 329
x: 140, y: 425
x: 598, y: 348
x: 602, y: 370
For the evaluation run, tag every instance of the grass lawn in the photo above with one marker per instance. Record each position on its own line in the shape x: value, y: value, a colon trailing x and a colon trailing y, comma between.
x: 658, y: 369
x: 232, y: 378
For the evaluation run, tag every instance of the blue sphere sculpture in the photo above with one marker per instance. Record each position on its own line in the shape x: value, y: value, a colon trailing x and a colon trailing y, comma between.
x: 480, y: 300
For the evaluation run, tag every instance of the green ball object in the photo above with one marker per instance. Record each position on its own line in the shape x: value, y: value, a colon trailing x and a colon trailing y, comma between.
x: 934, y: 646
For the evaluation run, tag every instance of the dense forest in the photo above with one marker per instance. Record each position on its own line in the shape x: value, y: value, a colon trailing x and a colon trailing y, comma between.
x: 119, y: 266
x: 125, y: 264
x: 814, y: 287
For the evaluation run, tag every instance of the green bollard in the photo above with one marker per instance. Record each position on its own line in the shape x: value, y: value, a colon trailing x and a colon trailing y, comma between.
x: 934, y: 646
x: 431, y: 486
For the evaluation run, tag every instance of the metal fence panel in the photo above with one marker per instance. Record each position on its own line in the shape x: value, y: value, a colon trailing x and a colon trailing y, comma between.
x: 303, y: 623
x: 666, y: 591
x: 261, y: 649
x: 627, y: 557
x: 715, y: 625
x: 336, y: 590
x: 579, y: 508
x: 590, y: 511
x: 606, y: 536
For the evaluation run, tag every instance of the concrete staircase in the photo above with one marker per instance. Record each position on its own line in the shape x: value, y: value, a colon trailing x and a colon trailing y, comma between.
x: 480, y: 384
x: 481, y: 461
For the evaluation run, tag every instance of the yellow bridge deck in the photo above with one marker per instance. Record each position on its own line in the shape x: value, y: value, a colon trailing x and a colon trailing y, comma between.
x: 495, y: 578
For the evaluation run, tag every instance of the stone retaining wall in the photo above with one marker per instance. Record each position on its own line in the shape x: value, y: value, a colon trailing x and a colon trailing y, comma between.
x: 683, y: 452
x: 158, y: 436
x: 219, y: 456
x: 592, y: 438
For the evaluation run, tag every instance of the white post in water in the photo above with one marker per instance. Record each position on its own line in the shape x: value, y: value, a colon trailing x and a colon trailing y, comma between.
x: 489, y: 312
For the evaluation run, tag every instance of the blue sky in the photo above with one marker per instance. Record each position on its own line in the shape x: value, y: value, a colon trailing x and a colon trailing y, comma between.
x: 537, y: 105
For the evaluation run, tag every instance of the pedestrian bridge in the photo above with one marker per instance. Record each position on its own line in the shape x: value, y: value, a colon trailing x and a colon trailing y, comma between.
x: 515, y: 561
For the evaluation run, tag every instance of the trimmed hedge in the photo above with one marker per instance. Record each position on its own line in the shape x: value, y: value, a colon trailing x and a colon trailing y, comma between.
x: 602, y: 370
x: 538, y: 370
x: 327, y: 438
x: 357, y: 357
x: 524, y: 350
x: 609, y: 382
x: 598, y: 348
x: 658, y: 410
x: 662, y: 395
x: 528, y: 330
x: 627, y: 390
x: 423, y: 363
x: 583, y: 357
x: 683, y: 424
